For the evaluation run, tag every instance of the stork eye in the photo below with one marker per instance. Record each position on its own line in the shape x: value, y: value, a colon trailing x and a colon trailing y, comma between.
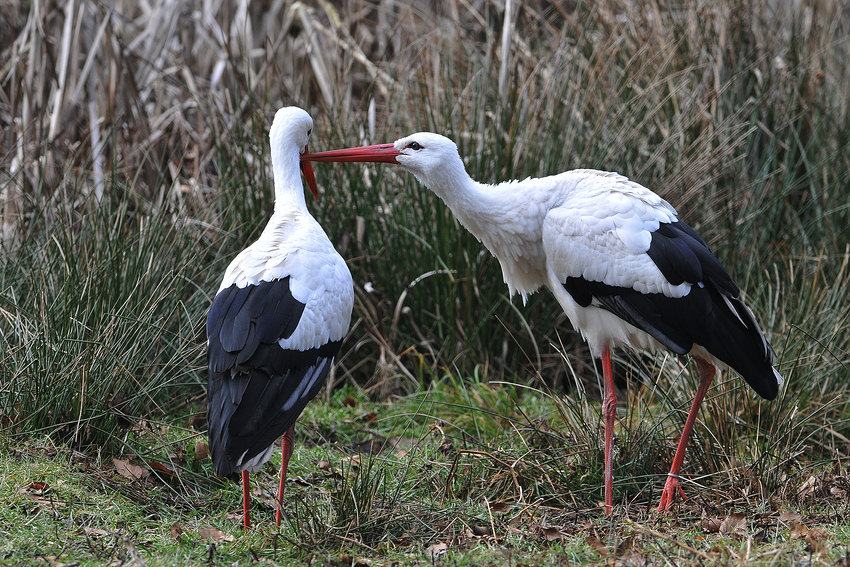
x: 414, y: 146
x: 310, y: 131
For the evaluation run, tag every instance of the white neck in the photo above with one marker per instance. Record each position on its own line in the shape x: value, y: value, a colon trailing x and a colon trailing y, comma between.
x: 288, y: 189
x: 503, y: 217
x: 470, y: 201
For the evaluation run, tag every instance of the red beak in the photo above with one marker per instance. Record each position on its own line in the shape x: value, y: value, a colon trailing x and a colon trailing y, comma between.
x: 382, y: 153
x: 307, y: 170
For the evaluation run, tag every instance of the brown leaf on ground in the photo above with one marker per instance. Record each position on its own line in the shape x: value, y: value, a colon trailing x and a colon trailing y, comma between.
x: 809, y: 488
x: 95, y: 532
x: 734, y: 524
x: 436, y: 551
x: 202, y: 450
x: 552, y: 534
x: 711, y: 525
x: 36, y: 492
x: 500, y: 506
x: 790, y: 517
x: 53, y: 560
x: 798, y: 531
x: 165, y: 470
x: 213, y: 534
x: 266, y: 497
x: 838, y: 492
x: 128, y: 470
x: 817, y: 540
x: 625, y: 546
x: 176, y: 531
x: 632, y: 559
x: 600, y: 548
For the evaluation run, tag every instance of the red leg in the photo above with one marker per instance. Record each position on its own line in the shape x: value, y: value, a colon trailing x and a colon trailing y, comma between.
x: 287, y: 445
x: 671, y: 487
x: 246, y: 501
x: 609, y: 410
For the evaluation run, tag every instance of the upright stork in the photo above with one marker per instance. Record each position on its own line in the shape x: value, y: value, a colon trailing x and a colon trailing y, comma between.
x: 276, y: 323
x: 623, y: 267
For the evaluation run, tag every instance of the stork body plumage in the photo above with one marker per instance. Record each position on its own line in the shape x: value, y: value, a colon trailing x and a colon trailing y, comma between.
x: 625, y: 270
x: 276, y: 323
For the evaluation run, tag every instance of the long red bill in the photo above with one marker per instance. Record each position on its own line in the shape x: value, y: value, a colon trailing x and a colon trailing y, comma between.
x: 382, y: 153
x: 307, y: 170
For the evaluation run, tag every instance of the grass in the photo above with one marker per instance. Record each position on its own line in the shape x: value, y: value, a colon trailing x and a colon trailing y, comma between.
x: 423, y: 483
x: 134, y: 165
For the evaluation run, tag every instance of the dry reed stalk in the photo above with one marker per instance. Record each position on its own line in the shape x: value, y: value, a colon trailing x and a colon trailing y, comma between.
x: 160, y: 93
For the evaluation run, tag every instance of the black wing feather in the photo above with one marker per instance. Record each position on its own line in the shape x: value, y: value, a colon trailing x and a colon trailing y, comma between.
x: 710, y: 315
x: 257, y: 390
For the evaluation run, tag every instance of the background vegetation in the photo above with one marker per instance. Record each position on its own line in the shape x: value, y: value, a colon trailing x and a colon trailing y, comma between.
x: 134, y: 164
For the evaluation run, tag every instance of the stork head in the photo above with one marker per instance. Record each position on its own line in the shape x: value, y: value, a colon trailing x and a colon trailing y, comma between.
x: 428, y: 156
x: 290, y: 132
x: 432, y: 158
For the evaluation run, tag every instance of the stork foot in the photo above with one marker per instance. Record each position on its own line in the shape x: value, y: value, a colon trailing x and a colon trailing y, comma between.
x: 669, y: 494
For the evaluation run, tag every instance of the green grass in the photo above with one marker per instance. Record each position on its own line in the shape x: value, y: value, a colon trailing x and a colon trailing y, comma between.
x: 446, y: 481
x: 128, y: 184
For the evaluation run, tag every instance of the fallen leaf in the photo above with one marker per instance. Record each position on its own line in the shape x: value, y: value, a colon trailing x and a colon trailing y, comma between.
x: 323, y: 465
x: 167, y: 471
x: 625, y: 546
x: 735, y: 524
x: 711, y: 525
x: 176, y: 531
x: 790, y: 517
x: 500, y: 506
x: 128, y: 470
x: 202, y: 450
x: 213, y: 534
x: 816, y: 538
x: 818, y: 533
x: 481, y: 530
x: 436, y: 551
x: 265, y: 497
x: 798, y: 531
x: 838, y: 492
x: 95, y: 532
x: 349, y: 402
x: 597, y: 545
x: 178, y: 454
x: 53, y: 560
x: 808, y: 488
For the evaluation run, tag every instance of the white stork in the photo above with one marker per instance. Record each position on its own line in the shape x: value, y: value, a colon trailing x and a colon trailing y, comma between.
x: 625, y: 270
x: 276, y: 323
